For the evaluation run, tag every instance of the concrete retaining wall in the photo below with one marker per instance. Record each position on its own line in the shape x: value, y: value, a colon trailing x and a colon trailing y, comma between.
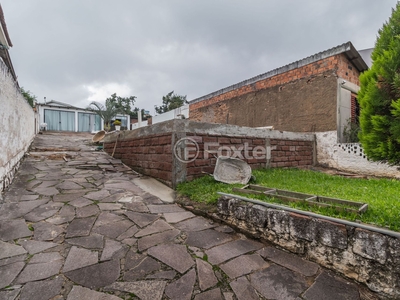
x: 180, y: 150
x: 369, y: 257
x: 17, y: 126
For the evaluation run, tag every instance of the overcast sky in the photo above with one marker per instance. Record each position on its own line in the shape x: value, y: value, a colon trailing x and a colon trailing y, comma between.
x: 77, y: 51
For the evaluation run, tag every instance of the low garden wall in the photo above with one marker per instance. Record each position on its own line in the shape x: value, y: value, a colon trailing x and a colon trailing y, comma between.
x: 366, y: 256
x: 181, y: 150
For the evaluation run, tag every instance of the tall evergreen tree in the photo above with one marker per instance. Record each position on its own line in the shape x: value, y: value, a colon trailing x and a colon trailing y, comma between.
x: 379, y: 96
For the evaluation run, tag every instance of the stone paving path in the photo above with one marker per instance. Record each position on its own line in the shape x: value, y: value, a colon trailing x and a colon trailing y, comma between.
x: 81, y: 229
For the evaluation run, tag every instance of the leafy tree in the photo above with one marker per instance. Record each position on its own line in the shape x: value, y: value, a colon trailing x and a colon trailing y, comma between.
x: 123, y: 104
x: 135, y: 114
x: 379, y: 96
x: 28, y: 96
x: 170, y: 102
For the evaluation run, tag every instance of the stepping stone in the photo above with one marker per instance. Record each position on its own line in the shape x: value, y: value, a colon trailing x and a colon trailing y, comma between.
x: 214, y: 294
x: 78, y: 258
x: 80, y: 202
x: 68, y: 197
x: 9, y: 272
x: 207, y: 239
x: 34, y: 247
x: 144, y: 290
x: 137, y: 207
x: 112, y: 249
x: 96, y: 276
x: 110, y: 206
x: 45, y: 257
x: 34, y: 272
x: 243, y: 265
x: 205, y: 274
x: 113, y: 230
x: 290, y: 261
x: 14, y: 229
x: 175, y: 256
x: 10, y: 250
x: 46, y: 232
x: 166, y: 208
x: 80, y: 227
x: 87, y: 211
x: 141, y: 219
x: 144, y: 267
x: 98, y: 195
x: 230, y: 250
x: 243, y: 289
x: 93, y: 241
x: 176, y: 217
x: 157, y: 227
x: 42, y: 289
x: 182, y: 288
x: 279, y: 283
x: 158, y: 238
x: 128, y: 234
x: 328, y: 285
x: 195, y: 224
x: 163, y: 275
x: 79, y: 293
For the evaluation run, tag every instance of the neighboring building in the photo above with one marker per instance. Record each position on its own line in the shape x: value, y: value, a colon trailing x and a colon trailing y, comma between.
x: 315, y: 94
x: 59, y: 116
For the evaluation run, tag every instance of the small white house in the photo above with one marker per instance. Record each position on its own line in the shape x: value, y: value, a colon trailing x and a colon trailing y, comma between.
x: 59, y: 116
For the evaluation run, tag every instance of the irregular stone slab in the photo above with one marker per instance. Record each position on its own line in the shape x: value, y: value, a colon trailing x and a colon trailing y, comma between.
x: 46, y: 232
x: 80, y: 293
x: 34, y: 272
x: 98, y: 195
x: 163, y: 275
x: 9, y: 295
x: 328, y: 285
x: 68, y: 197
x: 205, y: 274
x: 230, y: 250
x: 87, y: 211
x: 124, y: 185
x: 145, y: 290
x: 80, y: 227
x: 128, y: 234
x: 10, y: 211
x: 80, y: 202
x: 46, y: 191
x: 69, y: 185
x: 126, y: 199
x: 243, y: 265
x: 214, y: 294
x: 112, y: 230
x: 14, y: 229
x: 106, y: 218
x: 65, y: 215
x: 175, y: 256
x: 111, y: 250
x: 9, y: 272
x: 158, y: 238
x: 29, y: 197
x: 11, y: 260
x: 145, y: 267
x: 182, y: 288
x: 176, y: 217
x: 278, y: 283
x: 42, y: 289
x: 96, y: 276
x: 166, y: 208
x: 34, y: 247
x: 78, y: 258
x: 110, y: 206
x: 243, y: 289
x: 290, y: 261
x: 141, y: 219
x: 43, y: 212
x: 157, y: 227
x: 93, y: 241
x: 195, y: 224
x: 207, y: 239
x: 137, y: 207
x: 45, y: 257
x: 10, y: 250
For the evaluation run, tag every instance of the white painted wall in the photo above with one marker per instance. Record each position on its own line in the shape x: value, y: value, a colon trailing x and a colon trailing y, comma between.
x: 349, y: 157
x: 172, y: 114
x: 17, y: 126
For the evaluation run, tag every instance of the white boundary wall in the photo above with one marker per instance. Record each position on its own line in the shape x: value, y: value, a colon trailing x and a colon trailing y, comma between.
x: 17, y: 126
x: 349, y: 157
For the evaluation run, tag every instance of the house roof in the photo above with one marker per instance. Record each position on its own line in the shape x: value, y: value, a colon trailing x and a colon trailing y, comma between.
x: 347, y: 48
x: 5, y: 44
x: 54, y: 103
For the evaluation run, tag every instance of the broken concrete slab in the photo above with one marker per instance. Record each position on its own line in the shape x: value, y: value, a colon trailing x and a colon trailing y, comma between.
x: 175, y: 256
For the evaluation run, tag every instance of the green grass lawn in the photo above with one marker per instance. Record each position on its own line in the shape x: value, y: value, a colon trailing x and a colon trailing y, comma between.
x: 382, y: 195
